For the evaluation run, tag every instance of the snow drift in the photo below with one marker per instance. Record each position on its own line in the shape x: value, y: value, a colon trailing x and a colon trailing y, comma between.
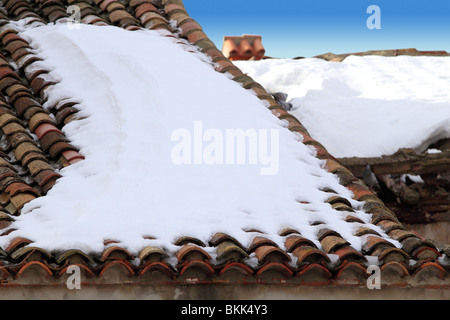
x: 364, y: 106
x: 135, y: 90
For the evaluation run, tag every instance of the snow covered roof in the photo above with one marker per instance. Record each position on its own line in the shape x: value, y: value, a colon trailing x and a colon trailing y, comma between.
x: 93, y: 119
x: 382, y: 113
x: 395, y: 102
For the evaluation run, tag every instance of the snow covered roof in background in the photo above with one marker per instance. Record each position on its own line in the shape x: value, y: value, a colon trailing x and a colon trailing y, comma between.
x: 364, y: 106
x: 90, y: 117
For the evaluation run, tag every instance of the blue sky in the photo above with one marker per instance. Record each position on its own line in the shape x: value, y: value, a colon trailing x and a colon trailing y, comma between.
x: 292, y: 28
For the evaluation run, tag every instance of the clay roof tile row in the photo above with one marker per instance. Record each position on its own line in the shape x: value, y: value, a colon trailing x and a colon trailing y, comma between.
x: 244, y: 47
x: 24, y: 115
x: 194, y: 264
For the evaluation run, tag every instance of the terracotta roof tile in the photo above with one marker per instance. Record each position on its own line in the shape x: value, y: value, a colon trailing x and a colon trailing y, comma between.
x: 16, y: 188
x: 429, y: 270
x: 243, y: 48
x: 394, y: 273
x: 24, y: 148
x: 119, y: 15
x: 307, y: 255
x: 294, y: 241
x: 189, y: 26
x: 228, y: 251
x: 372, y: 242
x: 115, y: 269
x: 314, y: 274
x: 220, y: 237
x: 196, y: 272
x: 196, y: 35
x: 390, y: 254
x: 347, y: 253
x: 39, y: 83
x: 30, y: 254
x: 235, y: 272
x: 73, y: 256
x: 17, y: 243
x: 44, y: 127
x: 104, y: 4
x: 63, y: 116
x: 115, y: 253
x: 52, y: 137
x: 400, y: 234
x: 274, y: 272
x: 45, y: 176
x: 135, y: 3
x: 160, y: 271
x: 37, y: 166
x: 260, y: 241
x: 143, y: 8
x: 92, y: 19
x: 33, y: 156
x: 388, y: 226
x: 270, y: 253
x: 153, y: 254
x: 149, y: 16
x: 351, y: 273
x: 363, y: 230
x: 71, y: 155
x: 331, y: 243
x: 26, y: 61
x: 56, y: 14
x: 34, y: 267
x: 192, y: 252
x: 187, y: 240
x: 170, y: 7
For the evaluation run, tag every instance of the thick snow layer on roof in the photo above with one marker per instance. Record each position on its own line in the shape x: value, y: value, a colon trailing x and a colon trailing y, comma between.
x: 365, y: 106
x: 139, y: 92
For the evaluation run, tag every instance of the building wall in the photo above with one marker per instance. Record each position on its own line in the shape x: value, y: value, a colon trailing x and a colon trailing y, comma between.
x: 222, y: 292
x: 439, y: 231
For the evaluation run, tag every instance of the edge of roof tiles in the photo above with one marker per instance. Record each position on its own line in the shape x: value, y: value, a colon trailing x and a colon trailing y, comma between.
x: 419, y: 263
